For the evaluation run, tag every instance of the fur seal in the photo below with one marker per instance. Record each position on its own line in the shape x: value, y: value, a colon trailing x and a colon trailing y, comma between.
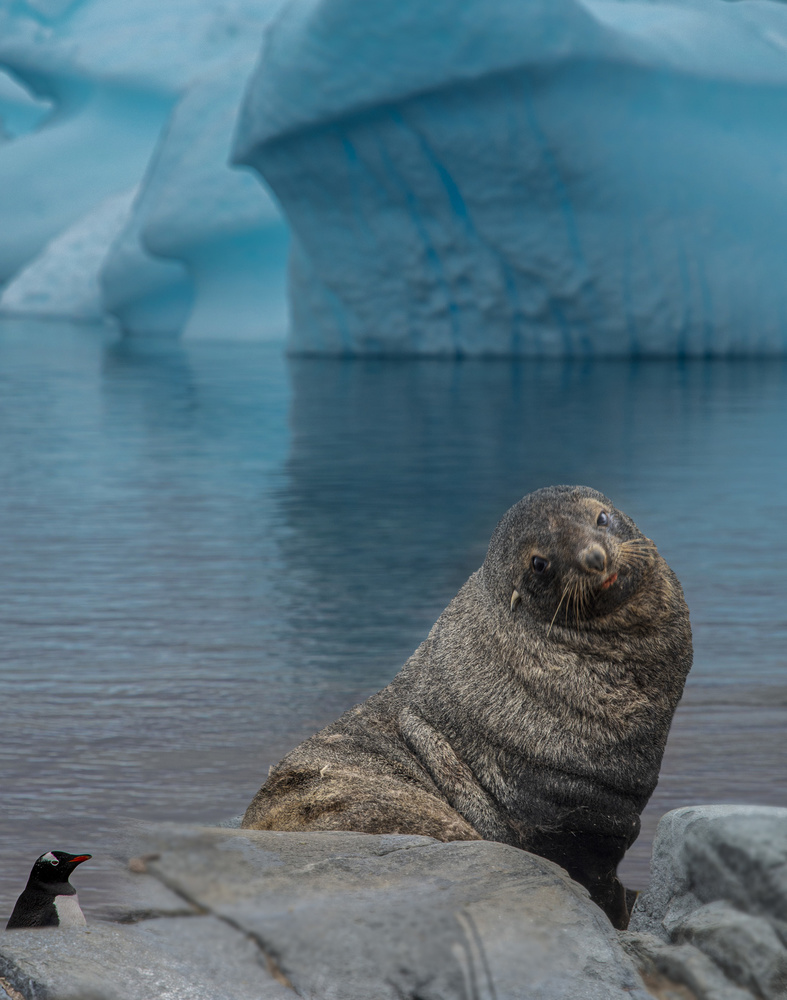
x: 535, y: 713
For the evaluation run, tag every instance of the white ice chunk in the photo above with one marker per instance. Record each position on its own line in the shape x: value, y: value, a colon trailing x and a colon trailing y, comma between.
x: 63, y: 280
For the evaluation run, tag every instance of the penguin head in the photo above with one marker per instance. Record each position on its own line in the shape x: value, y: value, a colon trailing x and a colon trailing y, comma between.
x: 56, y: 866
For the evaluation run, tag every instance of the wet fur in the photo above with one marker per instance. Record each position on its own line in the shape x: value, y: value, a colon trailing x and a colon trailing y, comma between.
x: 535, y: 713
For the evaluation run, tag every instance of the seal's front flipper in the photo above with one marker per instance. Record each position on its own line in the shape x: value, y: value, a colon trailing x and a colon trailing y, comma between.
x: 452, y: 777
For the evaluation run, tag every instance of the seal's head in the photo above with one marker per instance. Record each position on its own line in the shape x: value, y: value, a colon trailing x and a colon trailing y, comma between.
x: 566, y: 555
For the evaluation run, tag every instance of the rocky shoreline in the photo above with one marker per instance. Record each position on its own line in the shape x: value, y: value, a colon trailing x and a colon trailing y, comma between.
x: 217, y: 913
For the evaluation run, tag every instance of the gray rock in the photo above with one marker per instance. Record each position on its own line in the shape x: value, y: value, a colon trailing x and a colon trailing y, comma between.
x: 681, y: 964
x: 180, y: 958
x: 719, y: 884
x: 746, y: 948
x: 704, y: 854
x: 348, y: 916
x: 142, y: 897
x: 336, y: 916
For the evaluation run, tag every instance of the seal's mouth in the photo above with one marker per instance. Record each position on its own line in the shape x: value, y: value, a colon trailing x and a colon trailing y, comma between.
x: 609, y: 581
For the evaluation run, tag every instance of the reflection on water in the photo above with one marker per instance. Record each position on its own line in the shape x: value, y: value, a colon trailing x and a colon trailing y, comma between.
x: 208, y: 551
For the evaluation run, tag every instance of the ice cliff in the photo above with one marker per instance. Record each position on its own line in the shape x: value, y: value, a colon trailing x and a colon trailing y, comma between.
x: 556, y: 177
x: 116, y: 194
x: 561, y: 177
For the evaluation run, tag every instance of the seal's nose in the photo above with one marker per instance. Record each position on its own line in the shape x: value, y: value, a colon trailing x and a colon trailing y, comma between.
x: 593, y: 559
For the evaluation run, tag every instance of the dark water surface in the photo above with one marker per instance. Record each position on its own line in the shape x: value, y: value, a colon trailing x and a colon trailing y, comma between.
x: 208, y: 551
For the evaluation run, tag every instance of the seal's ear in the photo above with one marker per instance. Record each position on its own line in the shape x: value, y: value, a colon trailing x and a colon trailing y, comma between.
x: 516, y: 597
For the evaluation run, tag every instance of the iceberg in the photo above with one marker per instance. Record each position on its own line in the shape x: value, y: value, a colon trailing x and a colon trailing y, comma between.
x: 62, y: 281
x: 147, y: 296
x: 555, y: 178
x: 211, y: 245
x: 101, y: 90
x: 100, y: 150
x: 20, y: 112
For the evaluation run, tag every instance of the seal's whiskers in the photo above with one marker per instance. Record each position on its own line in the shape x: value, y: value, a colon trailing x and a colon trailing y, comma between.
x: 637, y: 548
x: 554, y: 616
x: 578, y: 602
x: 584, y: 597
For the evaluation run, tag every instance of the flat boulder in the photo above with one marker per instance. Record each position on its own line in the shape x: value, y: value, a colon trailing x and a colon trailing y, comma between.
x: 347, y: 916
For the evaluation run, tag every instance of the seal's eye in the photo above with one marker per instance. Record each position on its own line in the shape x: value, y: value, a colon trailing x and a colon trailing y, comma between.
x: 603, y: 519
x: 539, y: 564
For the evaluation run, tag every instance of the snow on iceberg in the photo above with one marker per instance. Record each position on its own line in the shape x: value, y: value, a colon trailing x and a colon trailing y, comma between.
x: 112, y: 70
x: 561, y: 177
x: 63, y: 280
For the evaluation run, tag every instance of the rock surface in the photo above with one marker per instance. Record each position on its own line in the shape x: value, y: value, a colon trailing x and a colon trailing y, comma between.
x: 683, y: 965
x: 226, y: 913
x: 551, y: 178
x: 337, y: 916
x: 718, y: 887
x: 170, y: 958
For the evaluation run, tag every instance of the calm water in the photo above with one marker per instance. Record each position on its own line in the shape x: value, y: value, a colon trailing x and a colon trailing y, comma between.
x: 208, y: 551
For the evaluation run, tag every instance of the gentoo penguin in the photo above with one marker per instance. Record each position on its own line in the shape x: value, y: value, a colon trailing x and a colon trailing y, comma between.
x: 49, y: 899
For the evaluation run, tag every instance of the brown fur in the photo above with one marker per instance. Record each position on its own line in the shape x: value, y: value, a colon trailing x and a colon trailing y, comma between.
x: 535, y: 713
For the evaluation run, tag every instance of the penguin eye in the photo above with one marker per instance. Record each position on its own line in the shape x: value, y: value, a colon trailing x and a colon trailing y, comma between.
x: 603, y: 519
x: 539, y: 565
x: 54, y: 861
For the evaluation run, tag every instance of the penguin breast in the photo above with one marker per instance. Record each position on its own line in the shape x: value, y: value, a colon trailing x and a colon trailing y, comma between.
x: 69, y: 912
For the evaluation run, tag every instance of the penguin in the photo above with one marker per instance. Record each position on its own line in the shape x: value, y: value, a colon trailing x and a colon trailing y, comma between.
x: 49, y: 899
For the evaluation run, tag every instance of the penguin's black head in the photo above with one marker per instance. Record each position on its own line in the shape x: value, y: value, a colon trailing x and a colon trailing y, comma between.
x: 56, y: 866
